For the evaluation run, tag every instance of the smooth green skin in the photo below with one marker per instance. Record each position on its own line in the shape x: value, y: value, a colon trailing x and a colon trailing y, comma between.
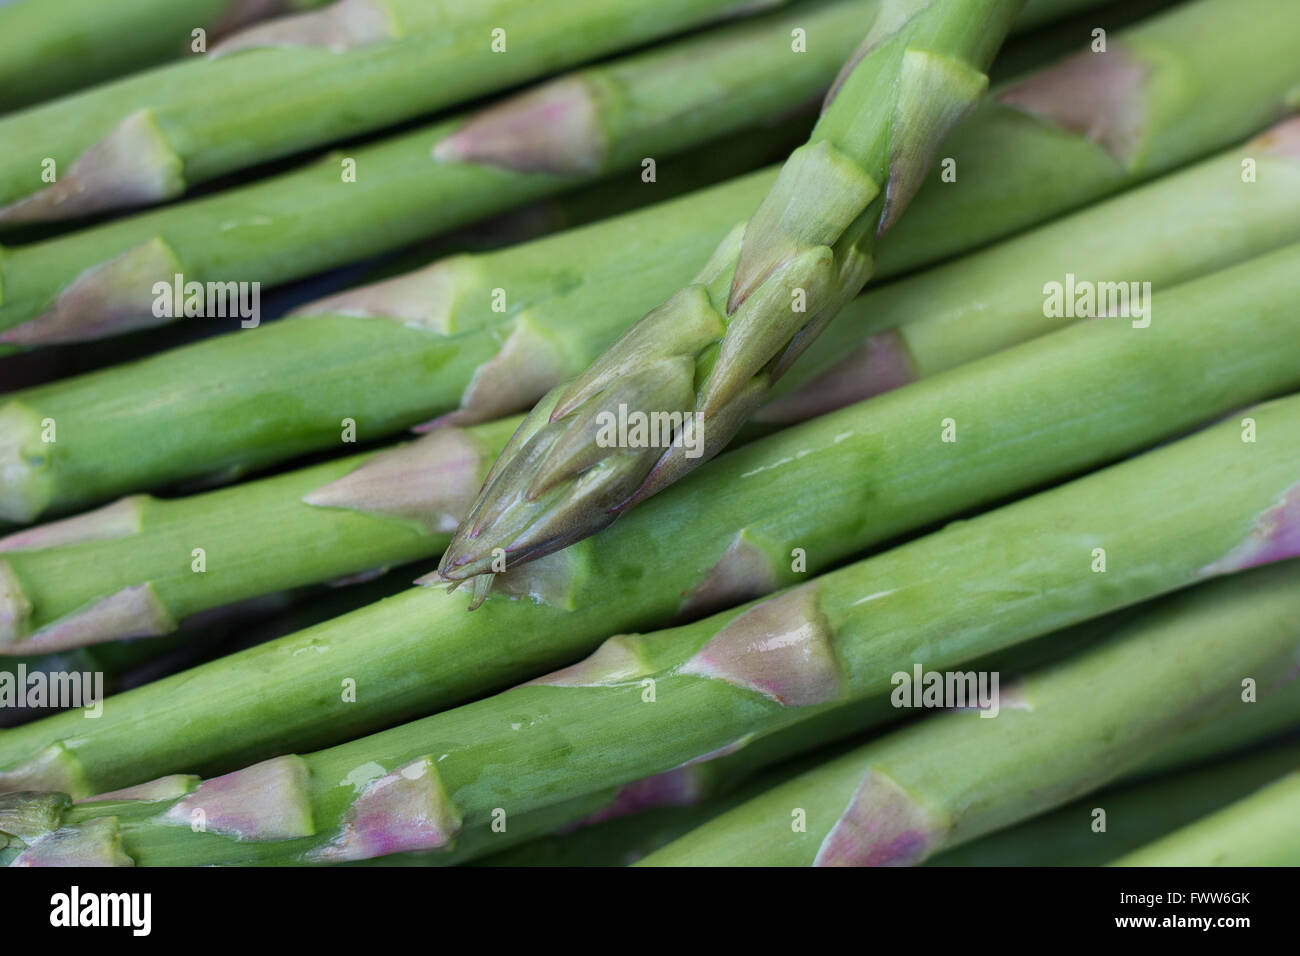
x: 833, y: 487
x: 974, y: 588
x: 655, y: 103
x: 1015, y: 170
x: 52, y: 47
x: 1136, y: 814
x: 1091, y: 718
x: 258, y: 538
x: 1262, y: 829
x: 726, y: 781
x: 226, y: 113
x: 292, y: 382
x: 716, y: 344
x: 282, y: 393
x: 1180, y: 227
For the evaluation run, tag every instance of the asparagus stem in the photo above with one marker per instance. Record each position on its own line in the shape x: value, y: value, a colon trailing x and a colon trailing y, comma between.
x: 49, y: 49
x: 151, y: 136
x: 100, y: 281
x: 995, y: 298
x: 711, y: 351
x: 945, y: 317
x: 334, y: 520
x: 1075, y: 726
x: 624, y: 711
x: 831, y: 488
x: 1262, y: 829
x: 304, y: 377
x: 1135, y: 814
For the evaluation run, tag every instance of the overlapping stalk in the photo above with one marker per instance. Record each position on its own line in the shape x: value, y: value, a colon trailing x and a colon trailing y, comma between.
x: 829, y: 488
x: 49, y: 49
x: 101, y: 281
x: 944, y: 317
x: 1176, y: 228
x: 1136, y: 814
x: 704, y: 359
x: 1059, y: 733
x: 138, y: 567
x: 388, y: 376
x: 1262, y: 829
x: 352, y: 67
x: 946, y: 599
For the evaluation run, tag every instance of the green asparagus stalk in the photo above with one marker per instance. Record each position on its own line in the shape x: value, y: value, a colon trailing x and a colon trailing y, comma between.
x: 943, y: 319
x: 352, y: 67
x: 829, y: 488
x: 648, y: 703
x: 304, y: 377
x: 104, y: 280
x: 704, y: 360
x: 138, y: 567
x: 1059, y: 733
x: 1262, y: 829
x: 1097, y: 122
x: 1239, y: 204
x: 643, y: 816
x: 1136, y: 814
x: 49, y: 48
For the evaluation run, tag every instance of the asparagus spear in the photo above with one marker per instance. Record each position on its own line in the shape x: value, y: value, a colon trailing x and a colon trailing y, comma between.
x: 352, y: 67
x: 705, y: 358
x: 1060, y: 732
x: 49, y: 48
x: 829, y: 488
x: 944, y: 317
x: 304, y: 377
x: 102, y: 280
x: 180, y: 557
x: 649, y: 703
x: 1184, y: 225
x: 1135, y: 814
x: 1262, y: 829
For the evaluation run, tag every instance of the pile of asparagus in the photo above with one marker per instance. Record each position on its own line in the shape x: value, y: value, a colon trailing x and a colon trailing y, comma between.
x: 966, y: 336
